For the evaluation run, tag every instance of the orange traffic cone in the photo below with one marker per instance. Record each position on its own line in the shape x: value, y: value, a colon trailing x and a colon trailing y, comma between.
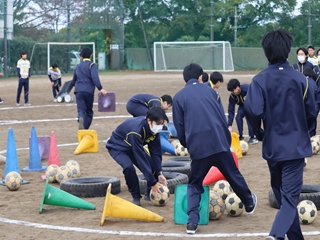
x: 119, y: 208
x: 88, y: 141
x: 53, y: 153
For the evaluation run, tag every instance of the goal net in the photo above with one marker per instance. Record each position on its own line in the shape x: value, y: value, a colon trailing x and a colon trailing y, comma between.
x: 211, y: 55
x: 43, y: 55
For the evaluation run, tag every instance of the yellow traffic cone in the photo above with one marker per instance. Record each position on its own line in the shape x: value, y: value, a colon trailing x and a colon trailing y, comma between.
x: 235, y: 143
x: 88, y: 141
x: 119, y: 208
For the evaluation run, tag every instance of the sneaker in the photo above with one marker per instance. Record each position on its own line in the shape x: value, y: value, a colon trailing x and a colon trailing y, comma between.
x: 54, y: 100
x: 270, y: 238
x: 253, y: 140
x: 18, y: 104
x: 146, y: 197
x: 27, y: 104
x: 1, y: 101
x: 241, y: 138
x: 81, y: 126
x: 136, y: 201
x: 192, y: 228
x: 250, y: 209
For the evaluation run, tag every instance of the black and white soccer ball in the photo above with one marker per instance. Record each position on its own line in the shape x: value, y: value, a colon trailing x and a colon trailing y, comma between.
x: 307, y: 211
x: 216, y: 206
x: 160, y: 199
x: 234, y: 206
x: 223, y: 188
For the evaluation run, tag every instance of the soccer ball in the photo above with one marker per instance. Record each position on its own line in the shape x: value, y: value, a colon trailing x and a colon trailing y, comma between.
x: 13, y: 181
x: 63, y: 173
x: 51, y: 172
x: 180, y: 150
x: 315, y: 144
x: 175, y: 143
x: 75, y: 168
x: 223, y: 188
x: 307, y: 211
x: 234, y: 206
x: 160, y: 199
x: 216, y: 206
x: 244, y: 146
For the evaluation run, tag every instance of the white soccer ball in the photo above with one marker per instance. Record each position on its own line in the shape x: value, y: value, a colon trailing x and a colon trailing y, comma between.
x: 244, y: 147
x: 13, y: 181
x: 75, y: 168
x: 51, y: 172
x: 234, y: 206
x: 160, y: 199
x: 223, y: 188
x: 63, y: 173
x: 216, y: 206
x: 307, y: 211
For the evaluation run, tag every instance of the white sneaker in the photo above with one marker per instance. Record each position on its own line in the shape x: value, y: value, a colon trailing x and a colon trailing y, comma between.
x: 54, y: 100
x: 27, y: 104
x: 18, y: 104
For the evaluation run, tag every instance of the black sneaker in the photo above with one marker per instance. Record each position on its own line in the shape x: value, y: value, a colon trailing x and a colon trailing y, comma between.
x: 136, y: 201
x: 147, y: 196
x: 192, y: 228
x: 250, y: 209
x: 81, y: 126
x: 253, y: 140
x: 1, y: 101
x: 241, y: 138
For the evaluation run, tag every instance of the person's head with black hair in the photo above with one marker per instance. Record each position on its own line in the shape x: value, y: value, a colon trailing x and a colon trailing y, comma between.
x: 308, y: 72
x: 310, y: 50
x: 318, y: 52
x: 302, y: 54
x: 23, y: 55
x: 204, y: 77
x: 86, y: 53
x: 216, y: 78
x: 156, y: 118
x: 54, y: 65
x: 233, y: 86
x: 276, y: 45
x: 166, y: 102
x: 192, y: 71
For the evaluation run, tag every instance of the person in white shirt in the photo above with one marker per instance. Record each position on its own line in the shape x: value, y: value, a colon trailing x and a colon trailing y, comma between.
x: 23, y: 72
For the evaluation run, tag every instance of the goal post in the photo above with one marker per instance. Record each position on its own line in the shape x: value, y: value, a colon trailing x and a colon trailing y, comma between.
x: 210, y: 55
x: 50, y: 44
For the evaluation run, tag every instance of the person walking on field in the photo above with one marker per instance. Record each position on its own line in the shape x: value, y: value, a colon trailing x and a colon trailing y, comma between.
x: 23, y: 72
x: 197, y: 115
x: 282, y: 99
x: 54, y: 75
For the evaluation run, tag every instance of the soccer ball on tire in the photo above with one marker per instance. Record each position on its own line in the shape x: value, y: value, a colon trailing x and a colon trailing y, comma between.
x: 13, y: 181
x: 216, y: 206
x: 244, y: 147
x: 75, y: 168
x: 223, y: 188
x: 234, y: 206
x: 307, y: 211
x: 51, y: 172
x: 160, y: 199
x: 63, y: 173
x: 180, y: 150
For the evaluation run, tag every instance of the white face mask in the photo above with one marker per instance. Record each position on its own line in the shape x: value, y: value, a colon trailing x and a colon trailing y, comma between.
x: 318, y: 59
x: 156, y: 128
x: 301, y: 59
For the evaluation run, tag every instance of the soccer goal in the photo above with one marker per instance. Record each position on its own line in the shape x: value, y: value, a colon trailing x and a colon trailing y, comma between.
x: 210, y: 55
x: 44, y: 54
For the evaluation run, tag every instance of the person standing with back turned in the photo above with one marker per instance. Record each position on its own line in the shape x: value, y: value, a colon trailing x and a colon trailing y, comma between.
x: 281, y: 98
x: 85, y: 80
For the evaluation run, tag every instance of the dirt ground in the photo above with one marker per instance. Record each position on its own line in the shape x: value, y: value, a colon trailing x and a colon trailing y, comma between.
x: 19, y: 210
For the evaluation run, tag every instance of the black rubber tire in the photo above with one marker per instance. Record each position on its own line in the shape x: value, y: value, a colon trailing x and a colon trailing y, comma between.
x: 180, y: 159
x: 87, y: 187
x: 309, y: 192
x: 173, y: 179
x: 175, y: 166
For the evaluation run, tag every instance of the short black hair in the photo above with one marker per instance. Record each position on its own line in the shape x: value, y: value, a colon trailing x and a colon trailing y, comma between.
x: 303, y: 50
x: 205, y: 77
x: 86, y: 53
x: 192, y: 70
x: 318, y: 51
x: 310, y: 46
x: 23, y: 53
x: 167, y: 98
x: 233, y: 84
x: 157, y: 114
x: 54, y: 65
x: 276, y: 45
x: 216, y: 77
x: 309, y: 73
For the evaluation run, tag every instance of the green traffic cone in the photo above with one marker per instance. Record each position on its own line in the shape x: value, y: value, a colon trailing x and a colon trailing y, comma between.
x: 57, y: 197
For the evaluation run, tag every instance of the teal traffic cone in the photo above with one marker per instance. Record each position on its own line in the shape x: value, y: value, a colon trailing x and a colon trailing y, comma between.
x: 34, y: 156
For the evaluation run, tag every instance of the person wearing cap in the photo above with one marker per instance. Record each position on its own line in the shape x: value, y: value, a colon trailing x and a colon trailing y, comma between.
x: 139, y: 104
x: 126, y: 147
x: 85, y: 80
x: 311, y: 57
x: 197, y: 99
x: 303, y: 63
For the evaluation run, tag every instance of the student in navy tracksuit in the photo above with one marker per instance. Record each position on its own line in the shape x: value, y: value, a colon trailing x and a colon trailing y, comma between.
x: 303, y: 63
x: 215, y: 81
x: 86, y: 79
x: 126, y: 148
x: 237, y: 97
x: 198, y: 115
x: 139, y: 104
x: 280, y: 97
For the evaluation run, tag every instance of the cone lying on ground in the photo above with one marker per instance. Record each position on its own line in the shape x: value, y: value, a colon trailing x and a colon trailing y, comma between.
x: 88, y: 141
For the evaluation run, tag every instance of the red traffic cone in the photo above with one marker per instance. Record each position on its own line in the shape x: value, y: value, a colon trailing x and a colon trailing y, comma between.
x: 53, y: 153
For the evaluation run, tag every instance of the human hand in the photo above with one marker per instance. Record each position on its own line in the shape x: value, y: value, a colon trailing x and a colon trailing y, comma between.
x: 162, y: 180
x: 104, y: 92
x: 230, y: 128
x: 155, y: 188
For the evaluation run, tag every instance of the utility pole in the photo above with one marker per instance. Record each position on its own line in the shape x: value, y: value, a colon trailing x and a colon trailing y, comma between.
x: 5, y: 40
x: 121, y: 47
x: 309, y: 23
x: 68, y: 36
x: 235, y: 26
x: 211, y: 22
